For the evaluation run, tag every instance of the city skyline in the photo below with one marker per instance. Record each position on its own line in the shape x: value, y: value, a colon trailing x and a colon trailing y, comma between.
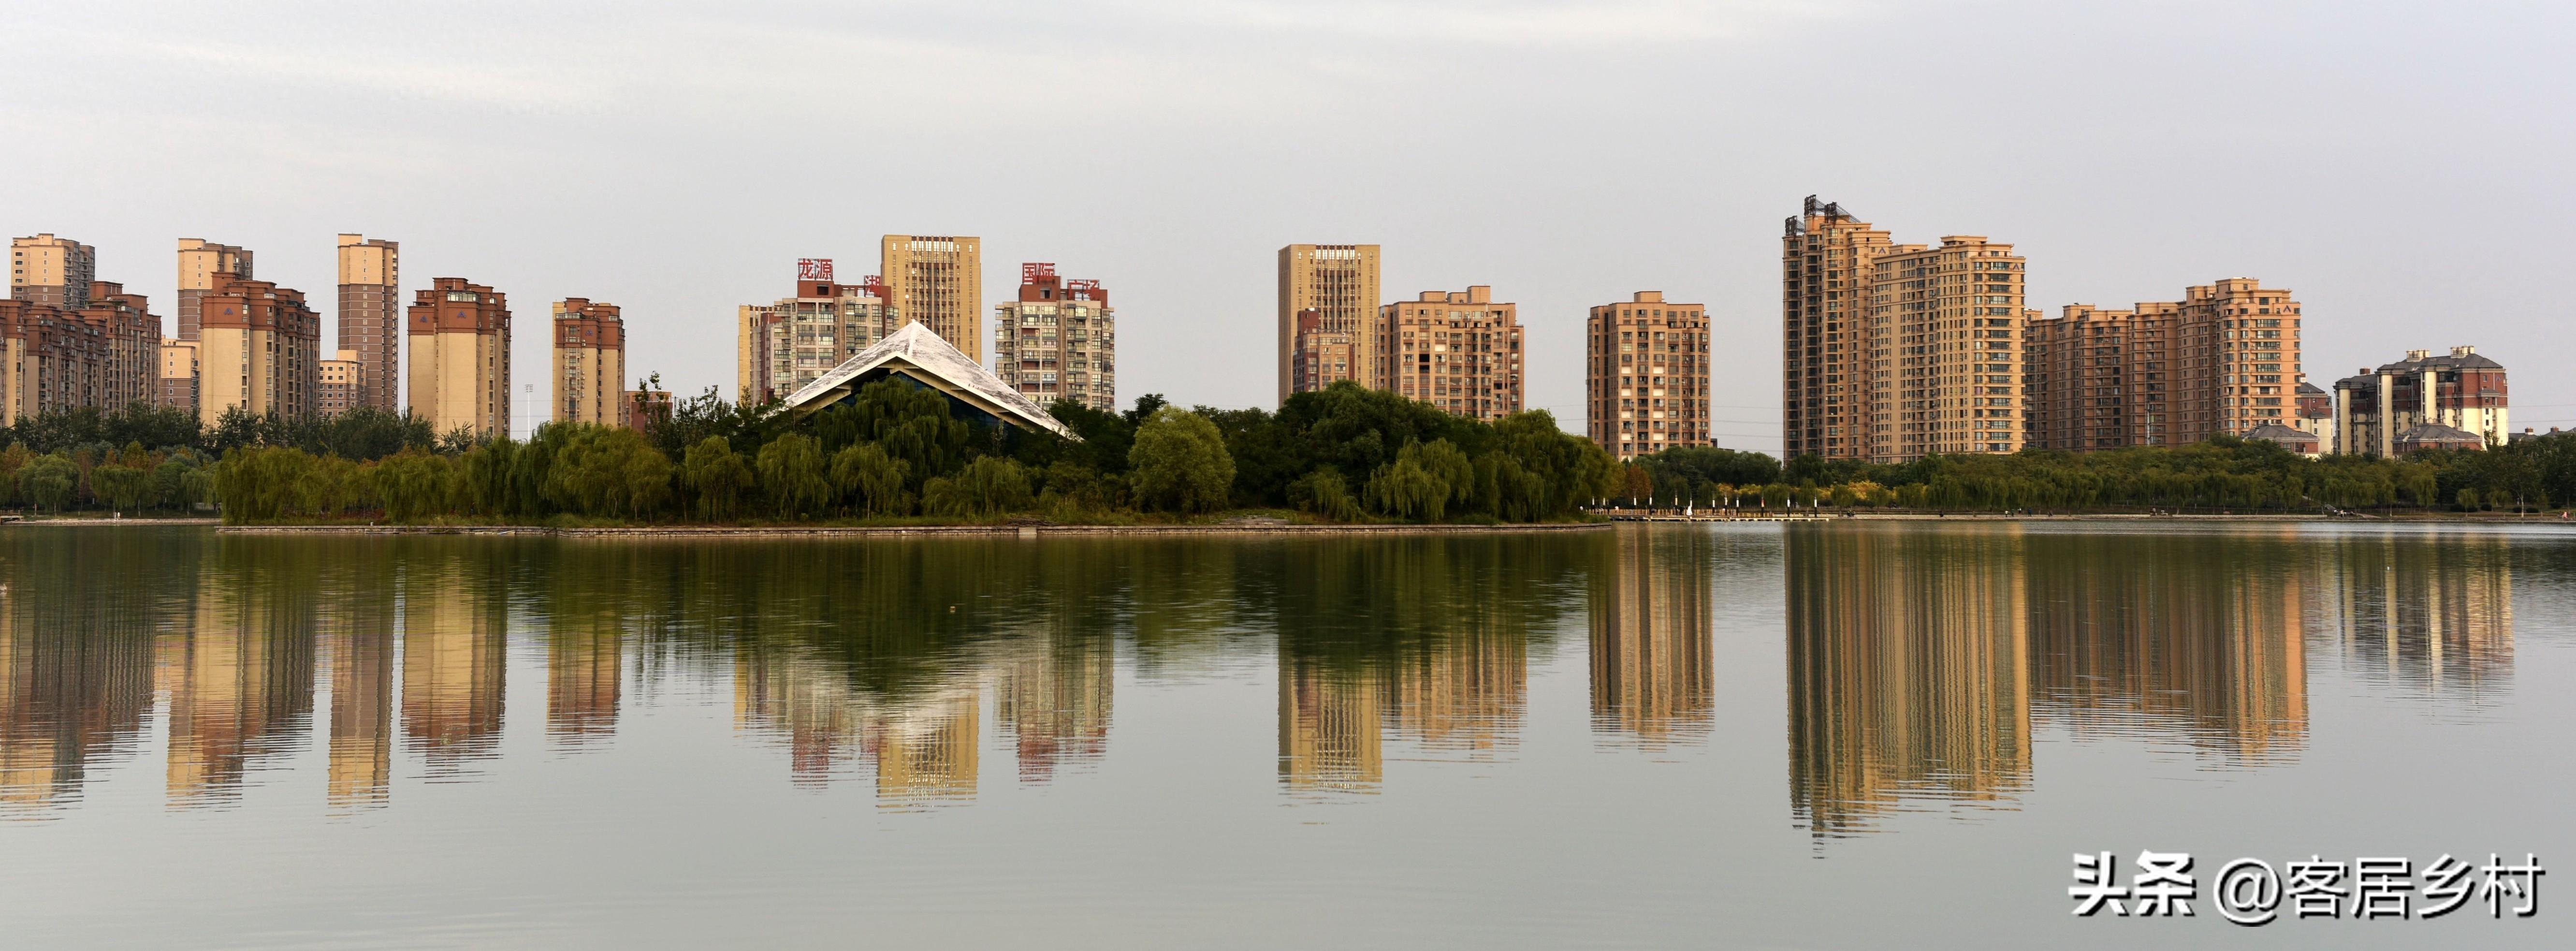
x: 464, y: 153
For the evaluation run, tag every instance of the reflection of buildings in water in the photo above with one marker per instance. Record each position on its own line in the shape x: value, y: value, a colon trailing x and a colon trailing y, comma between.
x: 240, y: 681
x: 2433, y: 615
x: 1328, y: 726
x: 66, y: 697
x: 2196, y: 636
x: 362, y: 728
x: 926, y: 750
x: 583, y: 673
x: 454, y: 660
x: 923, y: 749
x: 1652, y: 618
x: 1463, y: 693
x: 1054, y: 697
x: 1907, y: 672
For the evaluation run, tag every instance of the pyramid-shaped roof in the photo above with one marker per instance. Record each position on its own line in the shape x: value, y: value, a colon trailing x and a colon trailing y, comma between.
x: 919, y: 355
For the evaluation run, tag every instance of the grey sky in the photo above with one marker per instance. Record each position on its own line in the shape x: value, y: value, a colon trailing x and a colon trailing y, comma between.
x: 2402, y: 168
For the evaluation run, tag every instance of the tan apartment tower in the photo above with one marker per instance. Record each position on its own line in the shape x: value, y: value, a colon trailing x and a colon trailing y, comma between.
x: 1459, y: 351
x: 48, y: 270
x: 460, y: 358
x: 781, y: 347
x: 938, y: 282
x: 259, y: 349
x: 1058, y: 340
x: 2238, y: 365
x: 1950, y: 318
x: 199, y: 261
x: 2224, y: 359
x: 590, y: 363
x: 1339, y: 282
x: 1646, y: 375
x: 133, y: 343
x: 1321, y: 358
x: 1832, y: 374
x: 371, y: 320
x: 178, y: 383
x: 339, y: 393
x: 2078, y: 377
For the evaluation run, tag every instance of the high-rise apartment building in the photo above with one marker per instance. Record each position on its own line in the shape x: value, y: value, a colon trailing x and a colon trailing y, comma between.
x: 589, y: 363
x: 1953, y: 314
x: 371, y: 323
x: 783, y: 346
x: 460, y: 357
x: 1338, y: 282
x: 1832, y: 368
x: 1059, y: 340
x: 177, y: 386
x: 199, y: 263
x: 1891, y: 351
x: 1459, y: 351
x: 339, y: 392
x: 2375, y: 410
x: 50, y: 360
x: 133, y: 335
x: 2224, y: 359
x: 1321, y: 358
x: 259, y: 348
x: 938, y: 282
x: 1646, y: 375
x: 48, y: 270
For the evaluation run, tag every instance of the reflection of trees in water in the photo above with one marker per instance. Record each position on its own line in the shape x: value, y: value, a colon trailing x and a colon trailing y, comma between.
x: 2431, y: 616
x: 1653, y: 616
x: 1908, y: 672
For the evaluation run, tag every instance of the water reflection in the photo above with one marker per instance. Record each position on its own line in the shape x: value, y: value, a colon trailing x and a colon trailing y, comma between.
x: 1923, y: 661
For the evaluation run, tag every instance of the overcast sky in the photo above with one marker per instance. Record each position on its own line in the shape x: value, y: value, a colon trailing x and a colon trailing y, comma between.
x: 2403, y: 169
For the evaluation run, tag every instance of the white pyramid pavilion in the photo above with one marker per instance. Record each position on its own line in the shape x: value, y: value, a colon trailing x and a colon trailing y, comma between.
x: 915, y: 353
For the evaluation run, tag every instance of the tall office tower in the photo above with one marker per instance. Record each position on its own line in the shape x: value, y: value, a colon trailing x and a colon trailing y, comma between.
x: 1058, y: 340
x: 1951, y: 318
x: 48, y: 270
x: 259, y: 348
x: 371, y: 317
x: 939, y: 282
x: 590, y: 363
x: 2375, y: 410
x: 1646, y: 375
x: 2240, y: 360
x: 1458, y: 351
x: 1836, y: 378
x: 1339, y: 283
x: 460, y: 357
x: 1319, y: 358
x: 178, y: 383
x: 339, y: 393
x: 133, y: 343
x: 783, y: 346
x: 199, y: 262
x: 2077, y: 379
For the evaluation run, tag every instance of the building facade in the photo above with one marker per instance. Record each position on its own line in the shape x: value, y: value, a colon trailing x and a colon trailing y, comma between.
x: 1834, y: 362
x: 1321, y: 358
x: 646, y: 409
x: 200, y: 261
x: 1059, y: 340
x: 259, y: 349
x: 340, y: 388
x: 938, y: 282
x: 2375, y: 409
x: 50, y: 360
x: 589, y: 363
x: 1459, y: 351
x: 371, y: 320
x: 1946, y: 321
x: 1339, y: 283
x: 781, y: 347
x: 1646, y: 375
x: 2224, y: 359
x: 133, y: 335
x: 459, y: 376
x: 45, y: 269
x: 2316, y: 414
x: 177, y: 386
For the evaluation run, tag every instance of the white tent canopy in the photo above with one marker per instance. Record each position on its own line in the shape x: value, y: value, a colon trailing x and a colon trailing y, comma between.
x: 920, y: 356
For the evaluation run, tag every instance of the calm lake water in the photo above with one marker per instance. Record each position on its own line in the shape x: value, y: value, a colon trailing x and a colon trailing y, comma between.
x: 1675, y: 736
